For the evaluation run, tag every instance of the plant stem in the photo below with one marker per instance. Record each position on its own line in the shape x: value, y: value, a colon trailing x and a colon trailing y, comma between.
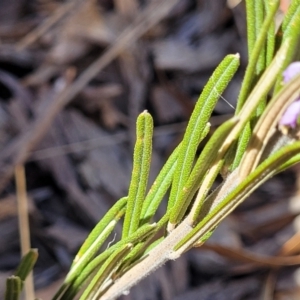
x: 24, y: 224
x: 155, y: 258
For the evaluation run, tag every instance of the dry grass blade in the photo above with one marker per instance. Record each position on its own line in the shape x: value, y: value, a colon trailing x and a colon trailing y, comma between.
x: 22, y: 209
x: 291, y: 246
x: 24, y: 224
x: 62, y: 12
x: 249, y: 257
x: 269, y: 286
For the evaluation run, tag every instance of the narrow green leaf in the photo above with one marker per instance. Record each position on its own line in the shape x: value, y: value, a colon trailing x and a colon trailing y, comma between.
x: 13, y: 288
x: 259, y: 19
x: 289, y: 31
x: 203, y: 164
x: 27, y: 264
x: 231, y: 200
x: 242, y: 146
x: 209, y: 179
x: 141, y: 234
x: 205, y: 131
x: 264, y: 61
x: 153, y: 245
x: 134, y: 255
x: 115, y: 213
x: 251, y: 28
x: 93, y: 243
x: 140, y: 173
x: 260, y: 90
x: 96, y: 239
x: 196, y: 126
x: 204, y: 238
x: 162, y: 183
x: 271, y: 37
x: 159, y: 188
x: 265, y: 127
x: 90, y: 253
x: 94, y: 288
x: 259, y: 45
x: 291, y: 162
x: 289, y: 18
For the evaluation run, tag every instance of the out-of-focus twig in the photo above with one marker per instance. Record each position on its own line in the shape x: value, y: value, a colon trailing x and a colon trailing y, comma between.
x: 22, y: 209
x: 269, y: 285
x: 126, y: 7
x: 121, y: 137
x: 255, y: 259
x: 62, y: 12
x: 24, y: 229
x: 26, y: 143
x: 154, y: 13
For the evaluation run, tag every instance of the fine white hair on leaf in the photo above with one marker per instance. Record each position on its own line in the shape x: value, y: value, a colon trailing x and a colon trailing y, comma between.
x: 114, y: 238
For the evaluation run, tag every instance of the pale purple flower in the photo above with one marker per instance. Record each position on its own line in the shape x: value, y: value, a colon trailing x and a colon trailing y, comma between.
x: 291, y: 115
x: 291, y: 71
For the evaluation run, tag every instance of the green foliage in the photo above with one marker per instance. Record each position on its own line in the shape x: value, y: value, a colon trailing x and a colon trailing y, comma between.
x: 195, y: 180
x: 189, y: 219
x: 200, y: 116
x: 261, y: 32
x: 240, y: 150
x: 13, y: 288
x: 96, y: 238
x: 15, y: 283
x: 115, y: 259
x: 140, y: 173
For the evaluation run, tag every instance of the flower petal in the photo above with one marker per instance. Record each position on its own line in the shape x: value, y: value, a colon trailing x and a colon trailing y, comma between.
x: 291, y: 71
x: 290, y: 117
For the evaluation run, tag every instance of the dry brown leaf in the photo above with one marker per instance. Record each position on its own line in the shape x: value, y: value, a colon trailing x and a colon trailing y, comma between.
x: 74, y: 39
x: 235, y: 289
x: 126, y: 7
x: 166, y: 107
x: 20, y: 147
x: 169, y: 55
x: 99, y: 165
x: 292, y: 294
x: 269, y: 286
x: 110, y: 116
x: 99, y: 99
x: 292, y: 246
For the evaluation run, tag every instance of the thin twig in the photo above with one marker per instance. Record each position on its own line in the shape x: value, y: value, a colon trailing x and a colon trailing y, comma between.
x: 62, y: 12
x: 24, y: 229
x: 154, y: 259
x: 26, y: 143
x: 117, y: 138
x: 126, y: 7
x: 154, y: 13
